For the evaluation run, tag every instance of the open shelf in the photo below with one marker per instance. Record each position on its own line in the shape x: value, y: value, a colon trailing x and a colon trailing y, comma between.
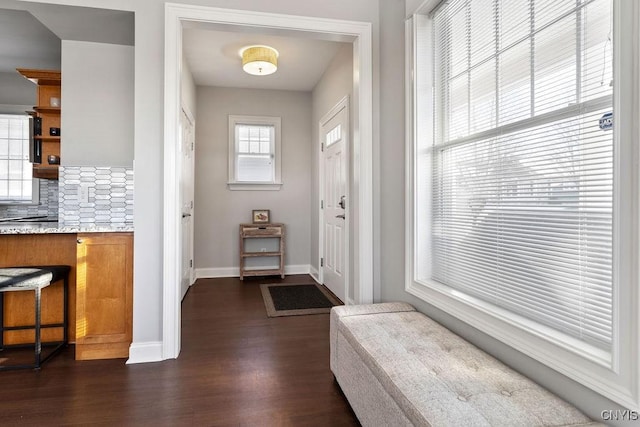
x: 262, y: 231
x: 45, y: 172
x: 260, y: 254
x: 47, y: 109
x: 47, y: 138
x: 48, y: 88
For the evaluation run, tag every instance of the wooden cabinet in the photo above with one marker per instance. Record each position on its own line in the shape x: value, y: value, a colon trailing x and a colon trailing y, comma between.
x: 104, y: 295
x: 262, y: 231
x: 100, y: 290
x: 18, y: 307
x: 48, y: 114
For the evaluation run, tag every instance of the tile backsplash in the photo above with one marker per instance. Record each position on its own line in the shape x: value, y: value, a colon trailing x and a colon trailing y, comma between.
x: 47, y: 206
x: 95, y: 195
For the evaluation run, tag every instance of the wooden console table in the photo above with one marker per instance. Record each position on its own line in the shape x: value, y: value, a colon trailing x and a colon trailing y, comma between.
x: 262, y: 231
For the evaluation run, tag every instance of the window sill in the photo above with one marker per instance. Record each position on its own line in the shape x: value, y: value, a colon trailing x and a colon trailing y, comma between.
x: 593, y: 368
x: 9, y: 203
x: 254, y: 186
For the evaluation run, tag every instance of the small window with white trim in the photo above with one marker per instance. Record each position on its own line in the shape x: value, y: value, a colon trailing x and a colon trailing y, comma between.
x: 334, y: 135
x: 17, y: 186
x: 254, y: 153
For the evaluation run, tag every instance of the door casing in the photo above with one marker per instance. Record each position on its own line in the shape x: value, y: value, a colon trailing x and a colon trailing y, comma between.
x: 356, y: 32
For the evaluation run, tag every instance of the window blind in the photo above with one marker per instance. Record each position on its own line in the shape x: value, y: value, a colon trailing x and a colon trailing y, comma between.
x: 523, y: 160
x: 255, y: 144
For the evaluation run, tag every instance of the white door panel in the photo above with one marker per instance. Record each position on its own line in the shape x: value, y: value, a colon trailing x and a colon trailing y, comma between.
x: 187, y: 144
x: 334, y: 135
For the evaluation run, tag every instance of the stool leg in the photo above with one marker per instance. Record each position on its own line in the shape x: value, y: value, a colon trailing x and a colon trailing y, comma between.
x: 38, y: 343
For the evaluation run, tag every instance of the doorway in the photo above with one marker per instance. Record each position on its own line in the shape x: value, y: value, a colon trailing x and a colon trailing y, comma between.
x: 334, y: 199
x: 357, y: 33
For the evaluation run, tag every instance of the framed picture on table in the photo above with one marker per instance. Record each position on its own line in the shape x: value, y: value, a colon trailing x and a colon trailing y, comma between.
x: 261, y: 216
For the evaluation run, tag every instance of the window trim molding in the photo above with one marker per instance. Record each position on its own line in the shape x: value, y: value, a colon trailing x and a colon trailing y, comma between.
x: 616, y: 377
x: 35, y: 182
x: 276, y: 122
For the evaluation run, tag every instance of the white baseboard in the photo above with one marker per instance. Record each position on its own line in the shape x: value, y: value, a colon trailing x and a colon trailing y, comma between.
x: 145, y: 352
x: 213, y: 273
x: 315, y: 274
x: 297, y: 269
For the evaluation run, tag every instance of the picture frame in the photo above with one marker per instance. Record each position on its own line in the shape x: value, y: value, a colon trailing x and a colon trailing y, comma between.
x: 261, y: 216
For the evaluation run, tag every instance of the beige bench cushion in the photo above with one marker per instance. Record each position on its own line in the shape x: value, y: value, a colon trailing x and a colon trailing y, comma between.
x: 439, y: 379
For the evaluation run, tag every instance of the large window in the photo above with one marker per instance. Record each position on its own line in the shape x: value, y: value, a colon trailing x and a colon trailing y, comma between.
x: 522, y: 170
x: 16, y: 183
x: 254, y: 153
x: 520, y: 189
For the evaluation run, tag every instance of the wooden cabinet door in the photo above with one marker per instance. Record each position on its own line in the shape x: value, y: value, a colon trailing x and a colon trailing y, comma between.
x: 104, y: 292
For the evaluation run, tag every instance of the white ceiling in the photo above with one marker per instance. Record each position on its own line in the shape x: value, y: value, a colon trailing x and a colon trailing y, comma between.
x: 214, y: 59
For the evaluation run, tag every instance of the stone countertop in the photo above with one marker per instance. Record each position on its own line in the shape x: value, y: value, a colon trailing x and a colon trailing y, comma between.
x: 56, y: 228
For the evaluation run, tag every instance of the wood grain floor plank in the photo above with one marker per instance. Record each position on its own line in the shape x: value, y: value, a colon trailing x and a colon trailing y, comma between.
x: 237, y: 368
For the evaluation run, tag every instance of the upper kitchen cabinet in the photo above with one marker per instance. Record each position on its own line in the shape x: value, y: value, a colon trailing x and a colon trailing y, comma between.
x: 46, y: 128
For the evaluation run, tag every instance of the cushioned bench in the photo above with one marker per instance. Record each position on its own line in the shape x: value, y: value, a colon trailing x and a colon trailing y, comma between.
x: 397, y: 367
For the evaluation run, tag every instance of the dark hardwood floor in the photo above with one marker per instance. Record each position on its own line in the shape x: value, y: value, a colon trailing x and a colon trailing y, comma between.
x: 237, y: 368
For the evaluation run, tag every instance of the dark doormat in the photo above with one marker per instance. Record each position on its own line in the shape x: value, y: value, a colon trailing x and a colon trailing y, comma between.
x: 295, y: 299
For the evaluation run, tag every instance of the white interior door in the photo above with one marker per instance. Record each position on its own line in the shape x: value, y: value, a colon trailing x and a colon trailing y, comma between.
x: 334, y: 134
x: 187, y: 145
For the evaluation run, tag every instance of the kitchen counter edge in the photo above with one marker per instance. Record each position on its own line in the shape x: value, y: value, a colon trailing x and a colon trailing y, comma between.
x: 53, y: 228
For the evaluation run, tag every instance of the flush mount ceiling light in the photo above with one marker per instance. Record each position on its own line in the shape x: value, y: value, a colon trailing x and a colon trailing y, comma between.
x: 259, y: 60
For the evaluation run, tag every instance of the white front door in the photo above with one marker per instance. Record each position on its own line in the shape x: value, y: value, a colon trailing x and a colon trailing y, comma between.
x: 334, y: 134
x: 187, y: 145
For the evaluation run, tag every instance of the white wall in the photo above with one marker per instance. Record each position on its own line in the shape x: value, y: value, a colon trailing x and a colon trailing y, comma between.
x: 335, y: 84
x: 16, y: 90
x: 218, y: 210
x: 97, y: 104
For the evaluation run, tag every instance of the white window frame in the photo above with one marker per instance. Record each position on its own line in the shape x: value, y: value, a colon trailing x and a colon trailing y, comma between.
x: 35, y: 183
x: 615, y: 375
x: 233, y: 183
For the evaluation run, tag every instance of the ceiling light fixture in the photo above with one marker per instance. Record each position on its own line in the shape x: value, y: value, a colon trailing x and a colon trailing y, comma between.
x: 259, y: 60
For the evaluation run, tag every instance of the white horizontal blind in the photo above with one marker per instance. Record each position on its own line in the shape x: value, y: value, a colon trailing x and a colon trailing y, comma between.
x: 523, y: 173
x: 254, y: 153
x: 16, y: 184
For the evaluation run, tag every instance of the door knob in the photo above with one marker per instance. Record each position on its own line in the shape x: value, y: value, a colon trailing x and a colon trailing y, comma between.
x: 184, y: 215
x: 342, y: 202
x: 340, y: 216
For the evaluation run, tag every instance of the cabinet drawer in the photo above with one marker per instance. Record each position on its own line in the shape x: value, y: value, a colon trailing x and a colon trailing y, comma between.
x: 261, y: 231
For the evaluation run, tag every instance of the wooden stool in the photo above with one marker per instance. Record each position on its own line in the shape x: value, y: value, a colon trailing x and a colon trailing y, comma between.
x: 34, y: 278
